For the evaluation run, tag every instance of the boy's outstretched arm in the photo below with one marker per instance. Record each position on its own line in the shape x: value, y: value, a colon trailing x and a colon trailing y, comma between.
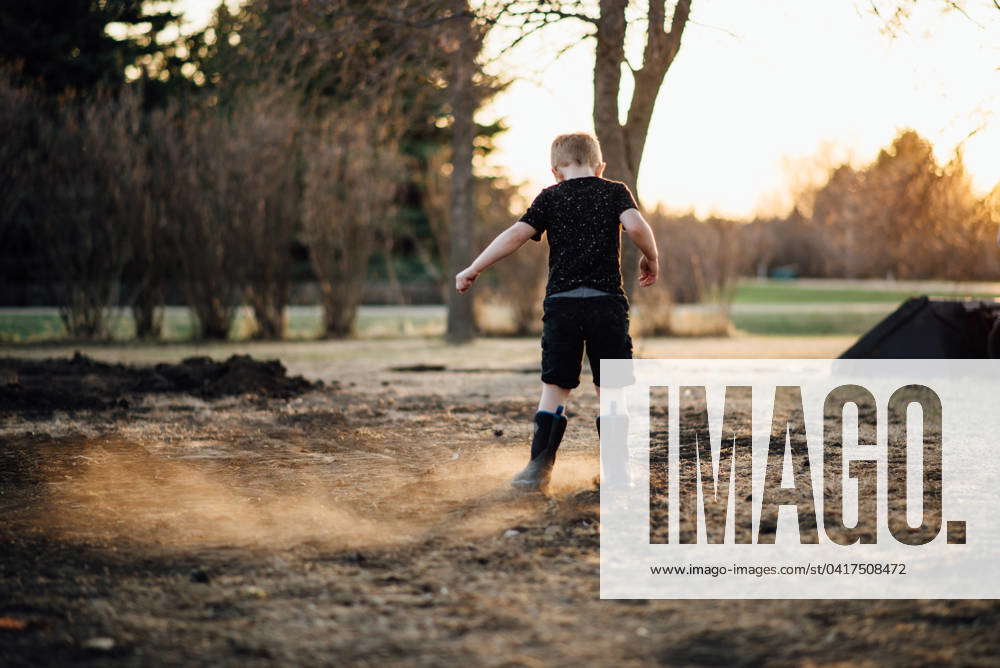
x: 506, y: 243
x: 641, y: 234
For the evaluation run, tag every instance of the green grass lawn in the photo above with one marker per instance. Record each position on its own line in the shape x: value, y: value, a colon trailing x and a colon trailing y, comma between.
x: 27, y: 325
x: 32, y: 325
x: 792, y: 293
x: 805, y: 324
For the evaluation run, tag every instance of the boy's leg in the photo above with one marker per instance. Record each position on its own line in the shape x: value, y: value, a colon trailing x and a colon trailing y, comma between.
x: 608, y: 338
x: 562, y: 356
x: 552, y: 397
x: 606, y: 329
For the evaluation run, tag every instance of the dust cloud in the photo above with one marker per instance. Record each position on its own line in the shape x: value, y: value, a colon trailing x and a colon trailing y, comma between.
x: 123, y: 492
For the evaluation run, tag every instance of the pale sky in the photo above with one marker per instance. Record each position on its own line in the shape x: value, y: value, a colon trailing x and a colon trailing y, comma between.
x: 758, y: 88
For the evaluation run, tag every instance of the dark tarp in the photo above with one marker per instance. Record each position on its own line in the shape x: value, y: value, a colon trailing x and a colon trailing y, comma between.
x: 924, y: 328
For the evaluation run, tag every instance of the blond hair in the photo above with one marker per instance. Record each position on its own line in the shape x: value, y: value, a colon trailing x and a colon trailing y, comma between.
x: 579, y: 147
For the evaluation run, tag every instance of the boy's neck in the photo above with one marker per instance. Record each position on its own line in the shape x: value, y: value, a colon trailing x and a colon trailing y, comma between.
x: 576, y: 172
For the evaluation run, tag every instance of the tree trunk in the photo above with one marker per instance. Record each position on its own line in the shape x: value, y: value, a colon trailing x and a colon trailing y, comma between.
x: 214, y: 319
x: 268, y: 303
x: 461, y: 320
x: 339, y: 315
x: 623, y: 144
x: 147, y: 311
x: 609, y: 56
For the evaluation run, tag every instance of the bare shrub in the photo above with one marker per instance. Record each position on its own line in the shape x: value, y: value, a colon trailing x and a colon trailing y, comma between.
x: 90, y: 185
x: 516, y: 284
x: 233, y: 206
x: 151, y: 257
x: 193, y: 154
x: 18, y: 127
x: 148, y: 271
x: 349, y: 187
x: 651, y: 310
x: 19, y: 115
x: 434, y: 184
x: 76, y: 204
x: 265, y: 129
x: 699, y: 262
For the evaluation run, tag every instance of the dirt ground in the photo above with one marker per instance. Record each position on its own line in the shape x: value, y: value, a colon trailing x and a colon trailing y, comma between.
x: 367, y: 521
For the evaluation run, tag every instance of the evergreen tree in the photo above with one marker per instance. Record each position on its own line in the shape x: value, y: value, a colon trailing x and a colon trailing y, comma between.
x: 80, y: 45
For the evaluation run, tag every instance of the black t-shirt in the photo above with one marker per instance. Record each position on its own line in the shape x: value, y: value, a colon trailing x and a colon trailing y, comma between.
x: 580, y: 218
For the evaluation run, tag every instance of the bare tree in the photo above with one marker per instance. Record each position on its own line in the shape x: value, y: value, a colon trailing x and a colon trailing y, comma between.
x: 623, y: 143
x: 902, y: 215
x: 267, y: 202
x: 895, y: 15
x: 197, y: 184
x: 517, y: 283
x: 17, y: 125
x: 381, y: 56
x: 349, y: 184
x: 90, y: 185
x: 147, y: 273
x: 464, y: 44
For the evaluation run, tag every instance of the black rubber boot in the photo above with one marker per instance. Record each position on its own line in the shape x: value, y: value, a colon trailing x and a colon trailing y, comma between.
x: 549, y: 430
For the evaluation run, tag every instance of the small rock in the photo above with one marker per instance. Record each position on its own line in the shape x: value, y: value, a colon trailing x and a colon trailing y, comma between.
x: 99, y: 644
x: 251, y: 591
x: 102, y: 607
x: 199, y: 575
x: 498, y: 432
x: 455, y: 456
x: 510, y: 533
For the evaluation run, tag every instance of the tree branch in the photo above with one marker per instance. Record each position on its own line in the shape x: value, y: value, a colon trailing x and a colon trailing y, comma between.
x: 732, y: 34
x: 958, y: 8
x: 549, y: 12
x: 661, y: 49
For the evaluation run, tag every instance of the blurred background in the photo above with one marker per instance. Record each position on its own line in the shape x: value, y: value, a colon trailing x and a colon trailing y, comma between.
x: 301, y: 170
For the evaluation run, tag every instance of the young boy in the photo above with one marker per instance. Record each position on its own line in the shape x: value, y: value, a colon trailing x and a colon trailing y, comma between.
x: 582, y: 215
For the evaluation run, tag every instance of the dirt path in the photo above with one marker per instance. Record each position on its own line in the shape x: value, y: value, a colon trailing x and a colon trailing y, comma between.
x: 370, y: 524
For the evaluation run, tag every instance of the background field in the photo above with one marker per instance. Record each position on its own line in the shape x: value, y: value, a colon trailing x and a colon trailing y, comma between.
x: 780, y: 308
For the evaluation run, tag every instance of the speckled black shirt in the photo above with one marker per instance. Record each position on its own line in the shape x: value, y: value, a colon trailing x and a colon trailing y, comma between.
x: 580, y: 218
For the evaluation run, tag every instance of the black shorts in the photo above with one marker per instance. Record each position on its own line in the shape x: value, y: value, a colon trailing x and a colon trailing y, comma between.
x: 570, y: 322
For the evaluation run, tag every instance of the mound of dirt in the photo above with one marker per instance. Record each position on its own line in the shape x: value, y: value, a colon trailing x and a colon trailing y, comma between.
x: 240, y: 374
x: 82, y: 383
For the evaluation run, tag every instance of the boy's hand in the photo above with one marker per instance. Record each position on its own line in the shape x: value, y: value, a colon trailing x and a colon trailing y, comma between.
x: 464, y: 280
x: 647, y: 272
